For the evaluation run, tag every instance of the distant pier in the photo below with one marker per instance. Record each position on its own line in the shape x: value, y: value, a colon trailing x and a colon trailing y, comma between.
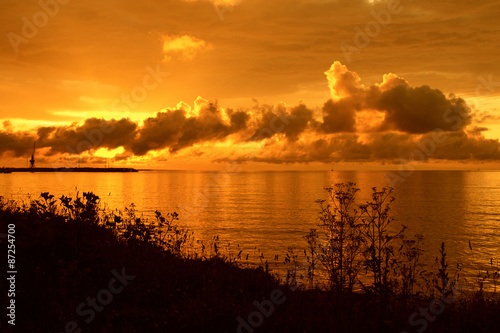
x: 11, y: 170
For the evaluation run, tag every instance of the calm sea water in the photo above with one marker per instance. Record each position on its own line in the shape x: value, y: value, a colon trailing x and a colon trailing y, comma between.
x: 267, y: 212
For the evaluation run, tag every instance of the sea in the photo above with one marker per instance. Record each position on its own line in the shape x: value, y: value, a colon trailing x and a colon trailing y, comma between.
x: 265, y: 214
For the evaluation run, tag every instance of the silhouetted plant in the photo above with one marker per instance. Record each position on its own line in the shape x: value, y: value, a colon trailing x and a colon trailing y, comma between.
x: 379, y: 242
x: 362, y: 236
x: 45, y: 207
x: 482, y: 277
x: 409, y: 267
x: 442, y: 278
x: 129, y: 226
x: 343, y: 237
x: 84, y: 209
x: 291, y: 260
x: 311, y: 255
x: 168, y: 234
x: 135, y: 228
x: 10, y: 206
x: 495, y: 273
x: 216, y: 246
x: 229, y: 254
x: 486, y: 276
x: 442, y: 282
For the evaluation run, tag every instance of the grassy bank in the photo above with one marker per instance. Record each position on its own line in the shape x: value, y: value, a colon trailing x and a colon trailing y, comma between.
x: 78, y: 271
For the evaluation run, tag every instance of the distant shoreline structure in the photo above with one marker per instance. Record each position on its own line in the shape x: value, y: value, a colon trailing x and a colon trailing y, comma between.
x: 11, y: 170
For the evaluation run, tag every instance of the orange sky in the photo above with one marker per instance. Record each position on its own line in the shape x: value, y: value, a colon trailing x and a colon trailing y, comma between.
x: 273, y: 84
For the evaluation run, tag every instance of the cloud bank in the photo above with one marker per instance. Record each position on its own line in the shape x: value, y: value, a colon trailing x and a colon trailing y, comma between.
x: 380, y: 122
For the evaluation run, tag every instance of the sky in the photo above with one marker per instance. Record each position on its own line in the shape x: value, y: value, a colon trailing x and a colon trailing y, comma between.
x: 187, y: 84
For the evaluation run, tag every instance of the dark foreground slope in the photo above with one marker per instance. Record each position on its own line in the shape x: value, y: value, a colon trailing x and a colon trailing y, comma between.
x: 74, y: 275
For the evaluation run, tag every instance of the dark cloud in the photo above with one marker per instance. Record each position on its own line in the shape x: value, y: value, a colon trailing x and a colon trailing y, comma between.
x: 422, y: 109
x: 406, y: 109
x: 389, y: 121
x: 460, y: 146
x: 173, y: 129
x: 267, y: 121
x: 476, y: 130
x: 339, y: 116
x: 93, y: 134
x: 239, y: 119
x: 159, y: 132
x: 208, y: 126
x: 483, y: 117
x: 291, y: 122
x: 298, y: 120
x: 388, y: 147
x: 17, y: 143
x: 73, y: 139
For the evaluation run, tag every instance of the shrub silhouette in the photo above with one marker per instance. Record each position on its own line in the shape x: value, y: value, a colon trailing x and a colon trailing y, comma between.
x: 340, y: 223
x: 67, y: 248
x: 359, y: 236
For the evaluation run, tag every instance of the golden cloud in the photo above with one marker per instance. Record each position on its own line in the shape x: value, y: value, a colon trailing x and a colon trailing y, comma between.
x: 184, y: 47
x: 377, y: 122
